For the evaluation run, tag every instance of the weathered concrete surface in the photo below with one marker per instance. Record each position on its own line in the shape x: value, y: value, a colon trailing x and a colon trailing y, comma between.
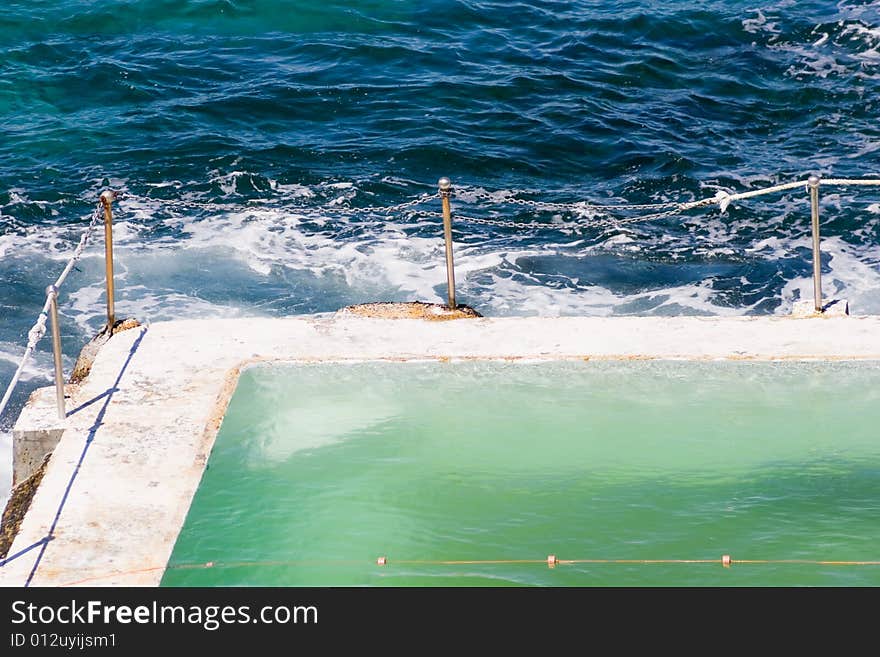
x: 141, y: 426
x: 410, y: 310
x: 36, y: 432
x: 88, y: 353
x: 832, y: 308
x: 17, y: 506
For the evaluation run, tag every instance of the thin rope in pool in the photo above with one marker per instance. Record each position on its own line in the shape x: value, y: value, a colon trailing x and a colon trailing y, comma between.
x: 551, y: 561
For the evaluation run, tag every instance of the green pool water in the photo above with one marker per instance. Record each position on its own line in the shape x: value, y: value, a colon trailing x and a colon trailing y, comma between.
x: 319, y: 470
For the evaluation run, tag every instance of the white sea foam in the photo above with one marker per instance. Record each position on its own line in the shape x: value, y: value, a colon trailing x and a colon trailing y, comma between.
x: 36, y: 366
x: 388, y: 259
x: 813, y: 63
x: 240, y: 260
x: 850, y: 277
x: 850, y: 46
x: 87, y: 306
x: 759, y: 23
x: 866, y: 36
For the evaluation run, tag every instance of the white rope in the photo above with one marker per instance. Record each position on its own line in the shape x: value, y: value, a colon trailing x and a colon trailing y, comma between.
x: 38, y: 330
x: 721, y: 198
x: 662, y: 209
x: 724, y: 199
x: 851, y: 181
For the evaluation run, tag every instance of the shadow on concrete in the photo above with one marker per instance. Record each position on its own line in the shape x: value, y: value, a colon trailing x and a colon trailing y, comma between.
x: 107, y: 396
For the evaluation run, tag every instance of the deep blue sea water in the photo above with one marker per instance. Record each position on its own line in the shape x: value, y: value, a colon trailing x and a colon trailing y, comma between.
x: 269, y: 114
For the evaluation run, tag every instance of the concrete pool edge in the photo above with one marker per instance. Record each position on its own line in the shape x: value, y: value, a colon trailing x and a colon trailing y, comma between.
x: 141, y: 426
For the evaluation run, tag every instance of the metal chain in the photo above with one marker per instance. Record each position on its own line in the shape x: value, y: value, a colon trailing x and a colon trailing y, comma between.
x: 608, y: 222
x: 578, y: 205
x: 470, y: 195
x: 584, y: 205
x: 604, y: 222
x: 385, y: 209
x: 186, y: 204
x: 212, y: 206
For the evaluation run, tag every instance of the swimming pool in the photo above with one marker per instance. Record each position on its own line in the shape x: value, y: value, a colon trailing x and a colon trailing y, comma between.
x: 470, y: 473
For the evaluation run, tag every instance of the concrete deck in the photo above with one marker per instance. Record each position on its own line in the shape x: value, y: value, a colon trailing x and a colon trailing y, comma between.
x: 141, y: 426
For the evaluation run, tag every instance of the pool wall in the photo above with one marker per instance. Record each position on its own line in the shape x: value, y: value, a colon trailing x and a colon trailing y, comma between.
x: 141, y: 426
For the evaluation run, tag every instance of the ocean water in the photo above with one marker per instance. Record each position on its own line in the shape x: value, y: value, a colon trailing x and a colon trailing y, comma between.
x: 246, y: 134
x: 320, y: 470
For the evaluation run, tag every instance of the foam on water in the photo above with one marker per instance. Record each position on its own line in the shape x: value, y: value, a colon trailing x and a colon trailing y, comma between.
x: 36, y: 366
x: 278, y: 242
x: 849, y: 45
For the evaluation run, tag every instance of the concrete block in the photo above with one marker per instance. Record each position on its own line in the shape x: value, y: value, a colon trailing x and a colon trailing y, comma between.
x: 36, y: 432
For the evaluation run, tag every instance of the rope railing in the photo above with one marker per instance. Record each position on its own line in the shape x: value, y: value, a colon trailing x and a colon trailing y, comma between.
x: 722, y: 199
x: 872, y: 182
x: 472, y: 194
x: 49, y: 310
x: 551, y: 561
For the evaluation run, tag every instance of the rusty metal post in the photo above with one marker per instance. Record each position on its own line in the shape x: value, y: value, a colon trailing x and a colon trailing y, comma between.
x: 52, y: 293
x: 445, y: 191
x: 107, y: 199
x: 813, y: 185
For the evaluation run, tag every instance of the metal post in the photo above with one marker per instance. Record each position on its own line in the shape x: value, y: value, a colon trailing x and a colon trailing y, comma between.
x: 107, y: 201
x: 52, y: 293
x: 813, y: 185
x: 445, y: 190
